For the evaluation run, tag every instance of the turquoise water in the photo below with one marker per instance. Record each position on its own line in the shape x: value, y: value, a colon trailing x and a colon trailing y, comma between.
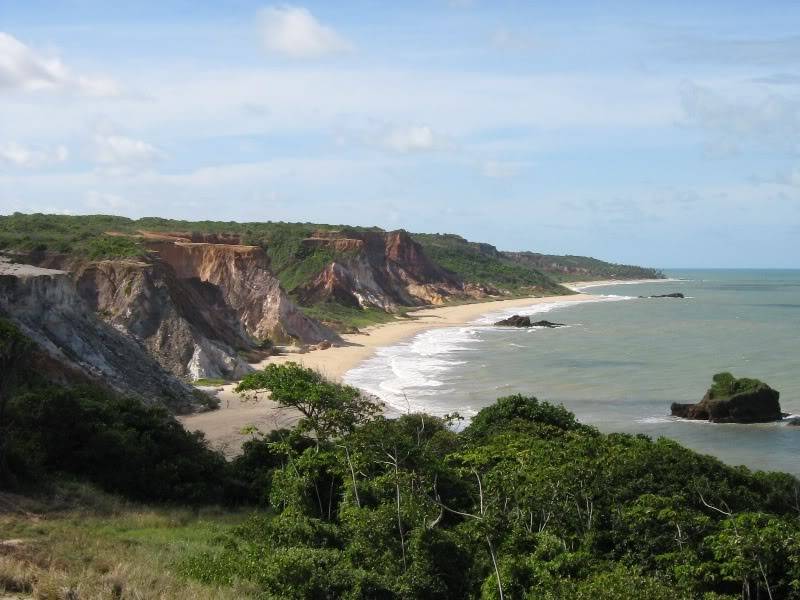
x: 622, y: 361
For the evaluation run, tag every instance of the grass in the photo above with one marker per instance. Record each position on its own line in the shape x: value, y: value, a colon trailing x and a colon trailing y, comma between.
x: 344, y: 318
x: 80, y: 543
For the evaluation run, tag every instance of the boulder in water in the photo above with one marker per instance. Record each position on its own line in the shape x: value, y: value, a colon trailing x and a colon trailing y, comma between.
x: 731, y: 400
x: 671, y: 295
x: 520, y: 321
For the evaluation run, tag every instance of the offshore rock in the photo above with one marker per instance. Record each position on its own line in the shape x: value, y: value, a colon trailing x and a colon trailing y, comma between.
x: 520, y: 321
x: 746, y: 401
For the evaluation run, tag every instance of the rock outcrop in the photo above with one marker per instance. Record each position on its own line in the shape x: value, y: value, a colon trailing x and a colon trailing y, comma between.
x: 731, y: 400
x: 380, y: 269
x: 46, y: 306
x: 520, y: 321
x: 672, y: 295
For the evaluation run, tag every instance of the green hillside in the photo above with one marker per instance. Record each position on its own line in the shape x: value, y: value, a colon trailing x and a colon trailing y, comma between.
x: 484, y: 264
x: 579, y: 268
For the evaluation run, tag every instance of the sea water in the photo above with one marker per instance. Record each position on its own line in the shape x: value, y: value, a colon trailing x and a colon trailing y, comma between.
x: 621, y: 361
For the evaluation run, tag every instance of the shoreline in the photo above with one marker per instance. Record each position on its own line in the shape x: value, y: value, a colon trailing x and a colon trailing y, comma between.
x: 223, y: 426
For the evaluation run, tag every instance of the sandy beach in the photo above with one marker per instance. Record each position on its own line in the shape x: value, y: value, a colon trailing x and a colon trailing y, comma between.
x: 223, y: 427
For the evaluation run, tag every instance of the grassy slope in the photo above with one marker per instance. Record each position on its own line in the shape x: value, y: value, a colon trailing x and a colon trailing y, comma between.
x: 99, y: 546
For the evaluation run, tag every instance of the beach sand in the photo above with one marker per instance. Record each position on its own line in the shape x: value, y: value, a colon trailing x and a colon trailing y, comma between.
x: 223, y: 427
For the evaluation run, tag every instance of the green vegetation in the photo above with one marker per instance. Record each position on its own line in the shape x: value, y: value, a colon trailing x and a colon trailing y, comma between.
x: 117, y: 443
x: 726, y: 385
x: 65, y: 234
x: 108, y: 246
x: 525, y: 502
x: 329, y: 409
x: 84, y: 431
x: 345, y: 318
x: 209, y: 382
x: 580, y: 268
x: 73, y: 541
x: 484, y: 264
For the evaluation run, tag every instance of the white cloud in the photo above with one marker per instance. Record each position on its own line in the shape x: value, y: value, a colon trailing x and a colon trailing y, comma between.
x: 417, y: 138
x: 104, y: 201
x: 17, y: 155
x: 502, y: 169
x: 118, y: 152
x: 733, y: 121
x: 295, y: 32
x: 506, y: 39
x: 22, y: 68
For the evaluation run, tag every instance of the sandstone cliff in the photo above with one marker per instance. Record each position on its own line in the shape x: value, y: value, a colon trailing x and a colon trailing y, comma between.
x: 242, y: 276
x: 203, y: 305
x: 48, y: 309
x: 380, y: 269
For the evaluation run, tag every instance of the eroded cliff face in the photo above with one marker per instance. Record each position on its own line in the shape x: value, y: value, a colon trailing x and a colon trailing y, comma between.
x: 202, y: 305
x: 185, y: 325
x: 381, y: 269
x: 48, y: 309
x: 245, y: 283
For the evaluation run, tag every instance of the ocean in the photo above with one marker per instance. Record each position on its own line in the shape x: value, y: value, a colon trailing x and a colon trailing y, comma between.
x: 621, y: 361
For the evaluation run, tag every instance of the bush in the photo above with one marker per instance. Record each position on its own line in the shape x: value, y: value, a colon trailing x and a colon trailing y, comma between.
x: 726, y: 385
x: 117, y: 443
x: 517, y: 409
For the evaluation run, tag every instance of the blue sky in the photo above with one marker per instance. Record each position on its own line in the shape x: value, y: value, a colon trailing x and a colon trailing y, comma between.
x: 654, y: 133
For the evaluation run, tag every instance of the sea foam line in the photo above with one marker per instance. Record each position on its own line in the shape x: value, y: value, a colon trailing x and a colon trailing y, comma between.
x: 585, y: 286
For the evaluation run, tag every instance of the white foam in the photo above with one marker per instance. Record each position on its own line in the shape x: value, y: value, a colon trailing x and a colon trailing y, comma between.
x: 656, y: 420
x: 419, y: 365
x: 538, y: 309
x: 584, y: 286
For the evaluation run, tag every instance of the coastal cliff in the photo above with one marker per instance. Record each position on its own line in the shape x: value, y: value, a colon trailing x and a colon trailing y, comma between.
x: 46, y: 306
x: 242, y: 277
x: 380, y: 269
x: 203, y: 306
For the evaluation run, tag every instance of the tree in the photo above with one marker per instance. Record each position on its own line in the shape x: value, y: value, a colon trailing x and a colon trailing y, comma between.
x: 14, y: 351
x: 754, y: 550
x: 329, y: 409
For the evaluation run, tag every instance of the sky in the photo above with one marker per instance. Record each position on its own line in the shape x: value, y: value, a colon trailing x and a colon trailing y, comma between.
x: 665, y: 134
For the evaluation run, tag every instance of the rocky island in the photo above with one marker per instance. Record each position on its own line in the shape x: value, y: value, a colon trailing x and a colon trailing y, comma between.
x: 731, y: 400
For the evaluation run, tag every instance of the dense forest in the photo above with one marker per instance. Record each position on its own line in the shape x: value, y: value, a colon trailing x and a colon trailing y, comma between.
x: 522, y: 502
